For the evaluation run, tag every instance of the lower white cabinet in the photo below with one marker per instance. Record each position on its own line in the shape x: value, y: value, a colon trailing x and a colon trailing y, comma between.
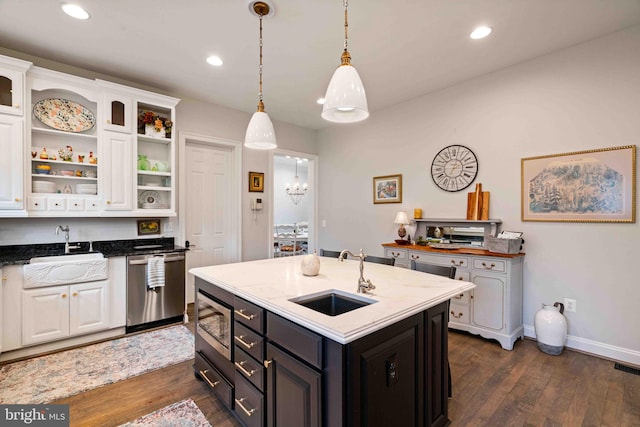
x: 493, y: 309
x: 2, y: 280
x: 58, y: 312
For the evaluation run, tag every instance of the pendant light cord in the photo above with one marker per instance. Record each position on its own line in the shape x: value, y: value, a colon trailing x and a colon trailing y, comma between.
x: 346, y: 24
x: 260, y: 103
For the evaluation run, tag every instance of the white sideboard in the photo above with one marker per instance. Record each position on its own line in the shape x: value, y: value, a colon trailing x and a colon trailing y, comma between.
x: 494, y: 308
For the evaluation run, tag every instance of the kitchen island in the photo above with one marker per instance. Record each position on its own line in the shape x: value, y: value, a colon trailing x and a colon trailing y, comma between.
x: 384, y: 363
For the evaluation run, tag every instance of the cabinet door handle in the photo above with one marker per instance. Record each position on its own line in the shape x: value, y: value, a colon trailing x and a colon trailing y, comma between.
x: 454, y: 315
x: 267, y: 363
x: 18, y: 199
x: 249, y: 412
x: 415, y: 256
x: 243, y: 342
x: 64, y: 295
x: 488, y: 267
x: 75, y: 294
x: 240, y: 365
x: 459, y: 296
x: 395, y: 255
x: 16, y: 106
x: 108, y: 122
x: 203, y: 374
x: 457, y: 264
x: 245, y: 316
x: 108, y: 202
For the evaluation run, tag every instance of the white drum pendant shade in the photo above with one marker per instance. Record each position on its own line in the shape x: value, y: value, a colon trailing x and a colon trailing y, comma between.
x: 260, y: 134
x: 345, y: 100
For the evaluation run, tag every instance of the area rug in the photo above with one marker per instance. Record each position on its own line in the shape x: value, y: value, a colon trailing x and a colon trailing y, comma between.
x: 184, y: 414
x: 54, y: 376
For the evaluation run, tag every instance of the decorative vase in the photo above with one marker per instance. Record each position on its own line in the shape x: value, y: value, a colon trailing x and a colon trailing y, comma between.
x: 143, y: 163
x: 310, y: 265
x: 551, y: 328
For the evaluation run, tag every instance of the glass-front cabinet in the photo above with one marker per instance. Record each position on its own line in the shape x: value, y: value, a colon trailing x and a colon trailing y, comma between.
x: 12, y: 76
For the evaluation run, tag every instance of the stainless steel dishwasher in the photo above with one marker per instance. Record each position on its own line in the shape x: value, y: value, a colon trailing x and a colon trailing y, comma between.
x: 158, y: 302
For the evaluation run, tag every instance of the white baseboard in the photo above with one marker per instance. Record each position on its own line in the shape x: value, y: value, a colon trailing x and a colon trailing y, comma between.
x: 606, y: 351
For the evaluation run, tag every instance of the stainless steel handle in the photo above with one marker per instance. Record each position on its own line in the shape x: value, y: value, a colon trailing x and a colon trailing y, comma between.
x: 170, y: 258
x: 249, y: 412
x: 241, y: 314
x: 203, y: 374
x: 243, y: 342
x: 240, y: 365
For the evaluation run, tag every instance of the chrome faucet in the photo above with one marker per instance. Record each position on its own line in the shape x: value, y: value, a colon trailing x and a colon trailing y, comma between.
x: 364, y: 286
x: 67, y: 248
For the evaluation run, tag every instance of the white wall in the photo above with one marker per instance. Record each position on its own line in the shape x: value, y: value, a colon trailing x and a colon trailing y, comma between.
x: 584, y: 97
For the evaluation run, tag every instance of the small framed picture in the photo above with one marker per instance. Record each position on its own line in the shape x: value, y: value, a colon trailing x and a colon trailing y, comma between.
x: 148, y: 226
x: 256, y: 182
x: 387, y: 189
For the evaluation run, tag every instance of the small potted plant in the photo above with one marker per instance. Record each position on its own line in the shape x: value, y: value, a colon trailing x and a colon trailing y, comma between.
x: 420, y: 241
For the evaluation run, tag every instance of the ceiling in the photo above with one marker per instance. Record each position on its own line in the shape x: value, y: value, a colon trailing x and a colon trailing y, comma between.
x: 402, y: 48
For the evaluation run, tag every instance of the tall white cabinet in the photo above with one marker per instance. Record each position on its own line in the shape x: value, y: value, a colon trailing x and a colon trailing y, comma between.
x: 12, y: 101
x: 493, y: 309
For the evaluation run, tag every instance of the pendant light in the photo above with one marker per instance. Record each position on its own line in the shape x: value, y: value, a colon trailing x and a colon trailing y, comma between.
x: 345, y: 100
x: 260, y: 134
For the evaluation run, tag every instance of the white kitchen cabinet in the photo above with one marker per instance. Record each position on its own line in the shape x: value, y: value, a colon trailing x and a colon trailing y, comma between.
x: 493, y: 309
x: 2, y: 280
x: 59, y: 312
x: 118, y: 291
x: 12, y: 149
x: 117, y: 108
x: 117, y: 158
x: 12, y: 76
x: 12, y: 279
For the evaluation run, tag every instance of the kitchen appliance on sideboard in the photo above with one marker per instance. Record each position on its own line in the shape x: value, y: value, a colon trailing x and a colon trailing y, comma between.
x: 155, y: 290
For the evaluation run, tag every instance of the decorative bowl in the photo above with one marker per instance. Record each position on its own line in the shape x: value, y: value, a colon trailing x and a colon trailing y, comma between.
x: 42, y: 171
x: 67, y: 173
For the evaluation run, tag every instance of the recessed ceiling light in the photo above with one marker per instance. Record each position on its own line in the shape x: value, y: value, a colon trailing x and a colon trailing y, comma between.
x: 214, y: 60
x: 480, y: 32
x: 320, y: 101
x: 75, y: 11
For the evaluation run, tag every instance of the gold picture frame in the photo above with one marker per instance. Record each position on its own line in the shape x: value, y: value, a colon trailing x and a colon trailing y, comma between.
x: 387, y: 189
x: 256, y: 182
x: 582, y: 186
x: 148, y: 226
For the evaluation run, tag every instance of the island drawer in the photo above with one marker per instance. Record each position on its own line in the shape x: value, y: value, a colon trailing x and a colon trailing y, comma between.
x: 300, y: 341
x: 250, y: 368
x: 249, y: 403
x: 249, y: 314
x: 249, y: 341
x: 214, y: 379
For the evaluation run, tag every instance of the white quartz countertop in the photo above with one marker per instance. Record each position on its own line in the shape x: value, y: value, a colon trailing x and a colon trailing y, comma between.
x: 272, y: 283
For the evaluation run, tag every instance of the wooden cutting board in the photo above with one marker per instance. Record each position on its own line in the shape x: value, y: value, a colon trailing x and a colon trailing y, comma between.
x: 478, y: 204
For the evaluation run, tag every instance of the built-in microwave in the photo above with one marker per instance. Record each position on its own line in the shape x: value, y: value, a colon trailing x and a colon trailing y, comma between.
x: 214, y: 324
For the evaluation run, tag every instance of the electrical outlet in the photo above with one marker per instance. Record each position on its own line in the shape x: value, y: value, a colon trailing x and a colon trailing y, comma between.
x: 570, y: 305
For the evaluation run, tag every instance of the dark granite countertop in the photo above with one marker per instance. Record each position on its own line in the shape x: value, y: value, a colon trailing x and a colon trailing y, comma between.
x: 21, y: 254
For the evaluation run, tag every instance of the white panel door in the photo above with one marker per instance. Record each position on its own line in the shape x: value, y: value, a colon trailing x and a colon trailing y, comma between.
x: 208, y: 207
x: 116, y: 171
x: 89, y: 307
x: 45, y: 314
x: 12, y: 148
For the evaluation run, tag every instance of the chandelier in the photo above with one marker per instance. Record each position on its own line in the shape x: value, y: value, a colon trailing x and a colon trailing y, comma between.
x: 296, y: 191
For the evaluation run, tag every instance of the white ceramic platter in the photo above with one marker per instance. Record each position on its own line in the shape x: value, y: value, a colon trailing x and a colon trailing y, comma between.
x: 64, y: 115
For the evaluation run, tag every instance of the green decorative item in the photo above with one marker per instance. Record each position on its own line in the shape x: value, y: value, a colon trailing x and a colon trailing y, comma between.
x: 143, y: 163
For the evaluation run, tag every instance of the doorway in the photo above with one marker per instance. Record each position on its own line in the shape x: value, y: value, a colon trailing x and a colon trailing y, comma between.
x: 209, y: 201
x: 293, y: 217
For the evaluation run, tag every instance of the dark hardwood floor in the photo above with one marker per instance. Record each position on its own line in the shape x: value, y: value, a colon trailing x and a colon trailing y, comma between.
x: 491, y: 387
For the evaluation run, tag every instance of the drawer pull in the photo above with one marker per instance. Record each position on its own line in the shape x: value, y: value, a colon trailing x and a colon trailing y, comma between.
x: 459, y: 296
x: 415, y: 256
x: 267, y: 363
x: 240, y: 365
x: 488, y: 267
x: 454, y: 315
x: 457, y: 264
x: 244, y: 316
x: 243, y: 342
x: 203, y: 374
x: 395, y: 255
x: 249, y: 412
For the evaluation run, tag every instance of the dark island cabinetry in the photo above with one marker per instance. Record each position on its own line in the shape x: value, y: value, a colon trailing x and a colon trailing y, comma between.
x: 283, y: 374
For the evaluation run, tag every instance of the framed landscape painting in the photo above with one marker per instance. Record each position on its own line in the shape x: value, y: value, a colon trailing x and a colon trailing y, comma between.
x: 387, y: 189
x: 583, y: 186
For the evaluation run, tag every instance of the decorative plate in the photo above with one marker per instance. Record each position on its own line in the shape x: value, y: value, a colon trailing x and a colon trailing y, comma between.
x: 148, y: 198
x: 64, y: 115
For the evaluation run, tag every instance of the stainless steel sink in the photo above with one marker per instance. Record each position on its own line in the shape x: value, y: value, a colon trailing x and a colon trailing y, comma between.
x: 64, y: 269
x: 332, y: 302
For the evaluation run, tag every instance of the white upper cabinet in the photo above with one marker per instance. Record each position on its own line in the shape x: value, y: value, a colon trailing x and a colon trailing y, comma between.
x: 12, y: 76
x: 117, y: 113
